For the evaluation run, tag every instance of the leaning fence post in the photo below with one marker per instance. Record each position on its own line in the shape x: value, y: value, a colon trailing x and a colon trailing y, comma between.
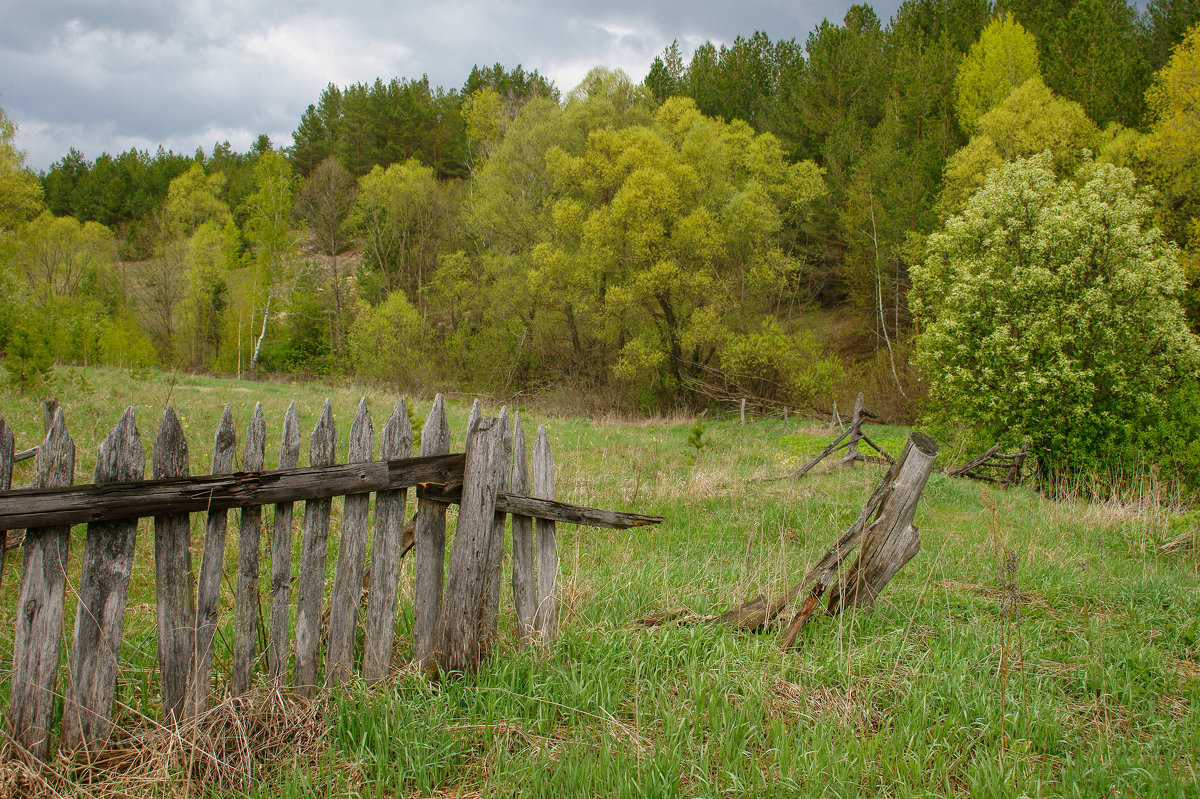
x: 430, y: 544
x: 8, y: 451
x: 176, y: 608
x: 103, y: 590
x: 396, y: 442
x: 245, y: 637
x: 524, y: 578
x: 37, y: 636
x: 208, y: 589
x: 546, y: 619
x: 352, y: 552
x: 281, y: 556
x: 314, y: 551
x: 462, y: 642
x: 743, y: 411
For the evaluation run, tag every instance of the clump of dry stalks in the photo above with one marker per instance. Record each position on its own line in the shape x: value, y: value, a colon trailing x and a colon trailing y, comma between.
x: 225, y: 748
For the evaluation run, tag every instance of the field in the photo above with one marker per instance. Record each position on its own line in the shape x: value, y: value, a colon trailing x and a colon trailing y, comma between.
x: 1032, y: 648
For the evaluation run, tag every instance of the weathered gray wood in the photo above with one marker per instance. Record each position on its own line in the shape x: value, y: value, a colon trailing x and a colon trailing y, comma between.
x: 430, y: 534
x: 803, y: 470
x: 472, y: 420
x: 1018, y: 463
x: 974, y: 462
x: 49, y: 411
x: 7, y: 459
x: 246, y: 604
x: 546, y: 509
x: 314, y: 551
x: 461, y: 644
x: 491, y: 611
x: 352, y: 554
x: 281, y: 556
x: 37, y: 633
x: 524, y: 575
x: 33, y: 507
x: 176, y: 608
x: 386, y: 551
x: 743, y: 412
x: 103, y: 590
x: 892, y: 540
x: 852, y: 453
x: 208, y: 586
x: 546, y: 618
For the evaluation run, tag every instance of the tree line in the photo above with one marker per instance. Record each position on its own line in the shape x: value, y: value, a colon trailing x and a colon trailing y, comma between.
x: 657, y: 243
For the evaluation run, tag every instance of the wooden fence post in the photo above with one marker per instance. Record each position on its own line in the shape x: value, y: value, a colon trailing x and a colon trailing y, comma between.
x: 176, y: 608
x: 103, y: 590
x: 546, y: 620
x: 396, y: 442
x: 495, y: 560
x: 38, y: 629
x: 743, y: 411
x: 246, y: 607
x: 430, y: 545
x: 208, y: 588
x: 8, y: 451
x: 891, y: 540
x: 524, y: 578
x: 352, y: 552
x: 314, y: 551
x: 281, y: 556
x: 852, y: 453
x: 462, y: 641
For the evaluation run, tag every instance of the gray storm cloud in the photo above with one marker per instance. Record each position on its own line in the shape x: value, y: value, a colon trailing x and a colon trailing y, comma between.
x: 104, y: 77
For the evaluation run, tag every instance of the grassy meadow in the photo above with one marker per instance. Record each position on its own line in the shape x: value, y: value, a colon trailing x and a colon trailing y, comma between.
x: 1032, y: 648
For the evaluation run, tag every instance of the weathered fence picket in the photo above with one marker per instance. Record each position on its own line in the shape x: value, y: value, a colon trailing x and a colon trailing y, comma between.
x: 246, y: 608
x: 352, y: 554
x: 38, y: 634
x: 453, y: 629
x: 103, y: 589
x: 396, y: 442
x: 208, y: 587
x: 8, y: 451
x: 430, y: 546
x: 314, y: 550
x: 281, y: 556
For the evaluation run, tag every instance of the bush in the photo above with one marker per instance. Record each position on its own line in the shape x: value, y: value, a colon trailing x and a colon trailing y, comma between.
x: 1049, y: 310
x: 385, y: 340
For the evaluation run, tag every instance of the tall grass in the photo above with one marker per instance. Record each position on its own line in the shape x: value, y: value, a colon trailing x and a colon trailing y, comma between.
x: 1032, y: 648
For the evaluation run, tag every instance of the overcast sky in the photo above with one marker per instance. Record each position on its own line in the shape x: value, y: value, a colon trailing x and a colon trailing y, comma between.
x: 107, y: 75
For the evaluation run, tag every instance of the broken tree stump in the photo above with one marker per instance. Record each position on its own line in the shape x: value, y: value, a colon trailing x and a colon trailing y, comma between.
x: 888, y: 543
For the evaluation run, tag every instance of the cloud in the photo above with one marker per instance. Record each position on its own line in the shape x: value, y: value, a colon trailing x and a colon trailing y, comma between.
x: 104, y: 77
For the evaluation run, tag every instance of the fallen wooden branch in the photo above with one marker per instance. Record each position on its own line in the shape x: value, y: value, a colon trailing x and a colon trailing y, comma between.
x: 1012, y: 464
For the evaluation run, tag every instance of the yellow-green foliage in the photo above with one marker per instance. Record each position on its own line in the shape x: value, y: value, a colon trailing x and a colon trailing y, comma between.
x: 384, y: 341
x: 1004, y: 58
x: 1050, y: 311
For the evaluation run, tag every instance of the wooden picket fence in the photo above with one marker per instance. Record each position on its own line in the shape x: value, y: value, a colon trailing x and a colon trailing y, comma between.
x: 455, y: 605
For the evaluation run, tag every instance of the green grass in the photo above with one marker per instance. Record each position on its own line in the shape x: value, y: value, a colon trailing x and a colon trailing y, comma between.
x: 1032, y: 648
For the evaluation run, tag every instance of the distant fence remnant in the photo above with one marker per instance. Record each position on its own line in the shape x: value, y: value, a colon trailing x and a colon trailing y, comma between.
x: 1011, y: 466
x: 456, y: 608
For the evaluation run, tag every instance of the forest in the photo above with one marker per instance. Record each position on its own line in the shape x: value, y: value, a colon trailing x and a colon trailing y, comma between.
x: 988, y: 216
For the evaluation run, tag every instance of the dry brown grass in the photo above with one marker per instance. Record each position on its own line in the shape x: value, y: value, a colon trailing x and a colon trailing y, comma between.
x: 225, y: 748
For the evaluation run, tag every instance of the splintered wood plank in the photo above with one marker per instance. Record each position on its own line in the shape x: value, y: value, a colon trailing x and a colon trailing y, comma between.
x: 103, y: 590
x: 430, y: 544
x: 546, y: 619
x: 208, y: 587
x: 461, y: 644
x: 352, y: 553
x: 314, y: 551
x: 176, y: 608
x: 524, y: 577
x: 495, y: 558
x: 37, y: 634
x: 246, y: 606
x: 8, y: 452
x: 386, y: 553
x: 281, y: 556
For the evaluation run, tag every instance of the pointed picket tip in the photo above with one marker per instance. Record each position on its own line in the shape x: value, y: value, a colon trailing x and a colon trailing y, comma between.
x: 289, y: 442
x: 256, y: 440
x: 520, y: 468
x: 362, y: 434
x: 224, y: 443
x: 543, y: 466
x: 323, y: 445
x: 435, y: 435
x: 55, y: 462
x: 121, y: 457
x: 473, y: 419
x: 397, y: 434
